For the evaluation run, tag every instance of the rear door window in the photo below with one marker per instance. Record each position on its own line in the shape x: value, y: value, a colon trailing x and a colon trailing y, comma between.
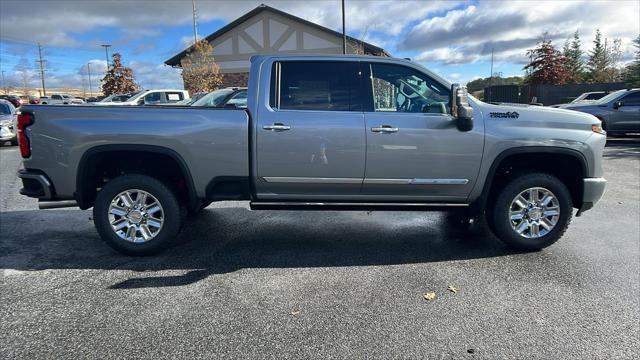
x: 316, y: 85
x: 153, y: 98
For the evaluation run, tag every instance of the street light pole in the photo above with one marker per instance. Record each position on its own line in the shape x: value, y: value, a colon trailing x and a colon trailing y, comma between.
x: 89, y: 73
x: 106, y: 53
x: 195, y: 21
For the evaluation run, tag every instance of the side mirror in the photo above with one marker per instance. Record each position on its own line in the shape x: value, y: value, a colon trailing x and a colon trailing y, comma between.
x: 460, y: 108
x: 141, y: 101
x: 618, y: 104
x: 230, y: 106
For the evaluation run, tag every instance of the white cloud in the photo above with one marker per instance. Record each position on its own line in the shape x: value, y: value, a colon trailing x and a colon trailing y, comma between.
x: 509, y: 28
x: 444, y: 55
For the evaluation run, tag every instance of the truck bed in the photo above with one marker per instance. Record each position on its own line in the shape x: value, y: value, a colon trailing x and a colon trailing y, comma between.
x: 211, y: 142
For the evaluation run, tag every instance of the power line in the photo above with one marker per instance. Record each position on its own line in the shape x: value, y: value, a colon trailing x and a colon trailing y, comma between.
x: 44, y: 90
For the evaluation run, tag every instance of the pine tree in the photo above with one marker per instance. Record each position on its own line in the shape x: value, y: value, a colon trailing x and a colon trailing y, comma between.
x: 632, y: 71
x: 200, y: 72
x: 599, y: 61
x: 573, y: 53
x: 119, y: 79
x: 547, y: 65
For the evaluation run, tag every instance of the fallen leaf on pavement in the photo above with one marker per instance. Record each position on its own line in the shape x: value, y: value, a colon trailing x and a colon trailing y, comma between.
x: 452, y: 289
x: 295, y: 312
x: 429, y: 296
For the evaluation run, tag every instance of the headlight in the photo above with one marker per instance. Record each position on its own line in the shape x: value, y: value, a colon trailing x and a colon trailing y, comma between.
x: 597, y: 128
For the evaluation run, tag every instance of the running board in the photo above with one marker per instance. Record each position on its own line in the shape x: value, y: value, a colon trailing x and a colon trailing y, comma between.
x: 343, y: 206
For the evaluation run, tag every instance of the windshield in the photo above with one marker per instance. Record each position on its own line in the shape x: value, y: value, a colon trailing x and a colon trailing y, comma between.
x: 610, y: 97
x: 215, y: 98
x: 5, y: 109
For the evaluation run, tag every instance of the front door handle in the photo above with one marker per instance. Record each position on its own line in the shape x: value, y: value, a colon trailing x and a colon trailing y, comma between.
x: 384, y: 129
x: 277, y: 127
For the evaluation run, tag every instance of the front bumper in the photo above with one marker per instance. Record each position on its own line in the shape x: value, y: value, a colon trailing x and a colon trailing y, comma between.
x: 593, y: 189
x: 36, y: 185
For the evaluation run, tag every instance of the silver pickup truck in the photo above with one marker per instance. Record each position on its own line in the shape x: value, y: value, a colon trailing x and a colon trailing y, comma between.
x: 319, y: 132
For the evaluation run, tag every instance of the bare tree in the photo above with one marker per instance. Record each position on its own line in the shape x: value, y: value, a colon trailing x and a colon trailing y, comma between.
x: 25, y: 79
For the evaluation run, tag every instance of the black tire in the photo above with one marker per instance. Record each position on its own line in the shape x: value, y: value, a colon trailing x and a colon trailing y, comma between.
x: 171, y: 211
x: 500, y: 218
x: 14, y: 142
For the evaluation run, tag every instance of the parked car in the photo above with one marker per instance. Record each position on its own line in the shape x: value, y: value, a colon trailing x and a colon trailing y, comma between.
x: 228, y: 97
x: 60, y: 99
x: 8, y: 126
x: 34, y: 100
x: 150, y: 97
x: 13, y: 99
x: 619, y: 111
x: 587, y: 97
x: 310, y: 126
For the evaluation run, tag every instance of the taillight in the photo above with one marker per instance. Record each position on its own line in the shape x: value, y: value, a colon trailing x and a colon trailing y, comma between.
x: 24, y: 120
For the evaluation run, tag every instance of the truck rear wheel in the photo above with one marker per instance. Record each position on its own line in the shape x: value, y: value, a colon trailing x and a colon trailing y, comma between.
x: 532, y: 211
x: 137, y: 215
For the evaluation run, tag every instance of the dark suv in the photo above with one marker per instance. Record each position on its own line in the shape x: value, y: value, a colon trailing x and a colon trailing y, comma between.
x: 618, y: 111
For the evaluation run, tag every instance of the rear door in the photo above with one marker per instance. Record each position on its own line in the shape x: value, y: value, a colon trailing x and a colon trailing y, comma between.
x: 310, y: 140
x: 414, y: 149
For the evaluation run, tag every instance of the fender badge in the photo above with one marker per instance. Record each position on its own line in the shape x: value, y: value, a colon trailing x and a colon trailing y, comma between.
x: 508, y: 114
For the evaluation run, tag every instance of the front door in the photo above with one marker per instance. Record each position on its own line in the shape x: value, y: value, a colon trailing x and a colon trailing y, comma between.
x: 627, y: 117
x: 414, y: 150
x: 310, y: 140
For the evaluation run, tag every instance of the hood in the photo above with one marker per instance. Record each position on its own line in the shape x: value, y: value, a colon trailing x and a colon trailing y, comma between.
x: 527, y: 113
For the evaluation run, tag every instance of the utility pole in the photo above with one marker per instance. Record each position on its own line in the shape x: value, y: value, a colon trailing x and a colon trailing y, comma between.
x: 195, y: 21
x: 44, y: 90
x: 344, y: 34
x: 4, y: 89
x: 106, y: 53
x: 89, y: 72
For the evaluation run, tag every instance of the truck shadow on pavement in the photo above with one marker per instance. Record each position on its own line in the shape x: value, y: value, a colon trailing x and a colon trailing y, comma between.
x: 223, y: 240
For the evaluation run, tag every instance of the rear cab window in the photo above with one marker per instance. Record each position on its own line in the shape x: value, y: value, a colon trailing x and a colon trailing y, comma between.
x: 174, y: 97
x: 316, y: 86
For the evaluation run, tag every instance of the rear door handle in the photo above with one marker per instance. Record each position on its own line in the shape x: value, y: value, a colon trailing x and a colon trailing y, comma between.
x: 385, y: 129
x: 277, y: 127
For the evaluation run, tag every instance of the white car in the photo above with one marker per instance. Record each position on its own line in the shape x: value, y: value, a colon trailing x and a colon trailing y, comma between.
x: 60, y: 99
x: 8, y: 127
x: 150, y: 97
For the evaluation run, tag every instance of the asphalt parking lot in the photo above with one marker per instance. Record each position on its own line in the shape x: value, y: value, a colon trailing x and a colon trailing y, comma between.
x: 281, y: 284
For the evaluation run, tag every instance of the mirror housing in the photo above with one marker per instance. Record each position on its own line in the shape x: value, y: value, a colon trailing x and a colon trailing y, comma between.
x: 141, y: 101
x: 230, y: 106
x: 618, y: 104
x: 460, y: 107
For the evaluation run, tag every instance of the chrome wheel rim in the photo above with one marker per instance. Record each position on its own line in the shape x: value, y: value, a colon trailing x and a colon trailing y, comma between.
x: 136, y: 216
x: 534, y: 212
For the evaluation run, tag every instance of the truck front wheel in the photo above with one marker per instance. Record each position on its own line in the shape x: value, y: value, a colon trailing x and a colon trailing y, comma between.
x: 137, y: 215
x: 532, y: 211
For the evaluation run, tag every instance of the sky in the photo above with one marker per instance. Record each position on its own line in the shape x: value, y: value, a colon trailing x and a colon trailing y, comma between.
x: 452, y: 38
